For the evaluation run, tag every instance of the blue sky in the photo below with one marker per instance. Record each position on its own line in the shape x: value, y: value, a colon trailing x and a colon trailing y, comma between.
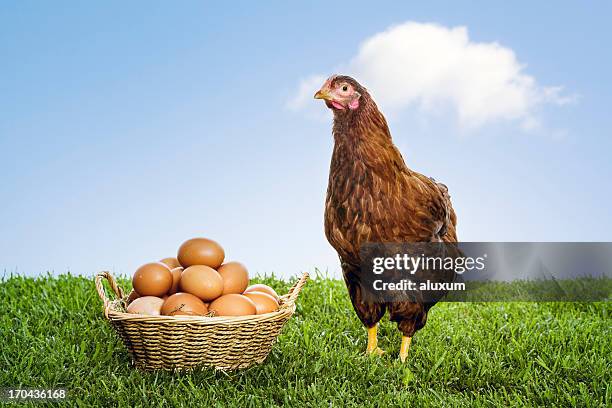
x: 127, y: 128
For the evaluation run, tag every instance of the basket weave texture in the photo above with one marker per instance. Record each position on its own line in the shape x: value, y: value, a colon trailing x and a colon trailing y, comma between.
x: 183, y: 342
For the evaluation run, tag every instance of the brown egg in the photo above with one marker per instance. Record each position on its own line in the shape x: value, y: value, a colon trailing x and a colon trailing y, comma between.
x: 152, y: 279
x: 146, y: 305
x: 171, y: 262
x: 263, y: 288
x: 264, y: 302
x: 233, y: 305
x: 183, y: 304
x: 201, y: 251
x: 176, y: 277
x: 202, y: 281
x: 132, y: 296
x: 235, y: 277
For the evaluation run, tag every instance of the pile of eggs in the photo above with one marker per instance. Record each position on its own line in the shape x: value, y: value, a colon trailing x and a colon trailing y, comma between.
x: 198, y: 283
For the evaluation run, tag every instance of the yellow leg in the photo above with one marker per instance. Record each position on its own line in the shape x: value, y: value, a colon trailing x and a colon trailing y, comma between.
x: 404, y: 348
x: 373, y: 348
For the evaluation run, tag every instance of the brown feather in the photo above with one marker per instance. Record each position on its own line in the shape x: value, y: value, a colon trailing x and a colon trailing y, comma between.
x: 373, y: 196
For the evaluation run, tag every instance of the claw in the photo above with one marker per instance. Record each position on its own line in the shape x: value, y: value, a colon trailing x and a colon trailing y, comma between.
x: 376, y: 352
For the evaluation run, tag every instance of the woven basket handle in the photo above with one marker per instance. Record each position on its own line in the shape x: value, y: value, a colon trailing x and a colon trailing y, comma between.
x: 102, y: 293
x: 295, y: 290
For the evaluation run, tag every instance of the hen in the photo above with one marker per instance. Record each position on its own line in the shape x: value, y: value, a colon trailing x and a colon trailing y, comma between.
x: 373, y: 196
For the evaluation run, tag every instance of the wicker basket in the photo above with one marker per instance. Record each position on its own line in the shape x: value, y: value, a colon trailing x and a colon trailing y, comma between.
x: 182, y: 342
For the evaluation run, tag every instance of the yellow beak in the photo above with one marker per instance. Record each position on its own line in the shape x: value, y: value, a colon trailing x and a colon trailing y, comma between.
x: 322, y: 94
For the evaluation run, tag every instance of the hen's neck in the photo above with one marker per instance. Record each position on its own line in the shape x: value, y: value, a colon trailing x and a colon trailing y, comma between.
x: 364, y: 138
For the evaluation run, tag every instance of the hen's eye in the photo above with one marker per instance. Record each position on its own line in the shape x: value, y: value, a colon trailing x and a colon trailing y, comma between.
x: 345, y: 88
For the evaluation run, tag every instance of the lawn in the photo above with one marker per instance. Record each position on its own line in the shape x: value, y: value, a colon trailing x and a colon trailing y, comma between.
x: 478, y: 354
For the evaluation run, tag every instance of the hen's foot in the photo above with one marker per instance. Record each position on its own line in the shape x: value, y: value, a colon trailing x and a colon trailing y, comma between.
x: 373, y: 348
x: 405, y: 346
x: 375, y: 352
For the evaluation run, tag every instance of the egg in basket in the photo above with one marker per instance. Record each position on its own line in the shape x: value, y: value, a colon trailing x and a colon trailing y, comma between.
x: 196, y: 310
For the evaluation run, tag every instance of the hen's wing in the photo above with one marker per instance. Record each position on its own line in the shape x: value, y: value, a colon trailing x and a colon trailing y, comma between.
x: 428, y: 213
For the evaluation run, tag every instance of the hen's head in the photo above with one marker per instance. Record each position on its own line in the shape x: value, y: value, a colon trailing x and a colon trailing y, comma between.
x: 342, y: 94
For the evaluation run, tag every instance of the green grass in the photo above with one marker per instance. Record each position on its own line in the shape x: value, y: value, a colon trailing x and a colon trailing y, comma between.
x: 571, y: 290
x: 478, y: 354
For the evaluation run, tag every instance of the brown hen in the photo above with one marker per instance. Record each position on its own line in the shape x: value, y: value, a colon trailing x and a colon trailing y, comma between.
x: 373, y: 196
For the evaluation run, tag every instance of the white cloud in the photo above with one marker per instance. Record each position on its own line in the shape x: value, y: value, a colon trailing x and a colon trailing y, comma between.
x: 434, y: 67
